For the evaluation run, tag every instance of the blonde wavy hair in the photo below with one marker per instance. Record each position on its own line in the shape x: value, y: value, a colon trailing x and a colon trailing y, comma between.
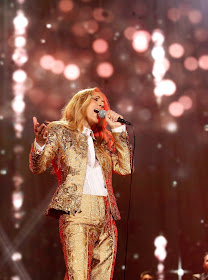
x: 74, y: 113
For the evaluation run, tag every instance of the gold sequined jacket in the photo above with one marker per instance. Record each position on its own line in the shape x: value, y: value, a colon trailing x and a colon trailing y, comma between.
x: 66, y: 151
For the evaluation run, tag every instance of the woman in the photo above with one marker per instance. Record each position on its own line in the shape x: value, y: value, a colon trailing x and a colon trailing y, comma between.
x: 83, y: 154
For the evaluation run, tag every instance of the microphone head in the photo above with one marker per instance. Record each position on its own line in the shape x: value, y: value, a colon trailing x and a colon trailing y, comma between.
x: 102, y: 114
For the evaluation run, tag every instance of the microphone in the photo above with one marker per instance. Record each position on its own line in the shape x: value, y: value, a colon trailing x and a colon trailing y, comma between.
x: 102, y: 114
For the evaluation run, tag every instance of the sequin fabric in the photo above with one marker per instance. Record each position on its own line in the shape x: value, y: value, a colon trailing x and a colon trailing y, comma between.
x: 89, y: 240
x: 66, y: 152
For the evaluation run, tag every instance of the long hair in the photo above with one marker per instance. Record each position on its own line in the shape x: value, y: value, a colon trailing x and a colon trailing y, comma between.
x: 74, y: 113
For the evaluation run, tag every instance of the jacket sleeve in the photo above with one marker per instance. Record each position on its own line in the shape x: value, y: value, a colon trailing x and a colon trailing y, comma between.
x: 40, y: 160
x: 121, y: 157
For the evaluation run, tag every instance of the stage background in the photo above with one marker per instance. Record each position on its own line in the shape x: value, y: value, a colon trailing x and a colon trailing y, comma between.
x: 150, y: 58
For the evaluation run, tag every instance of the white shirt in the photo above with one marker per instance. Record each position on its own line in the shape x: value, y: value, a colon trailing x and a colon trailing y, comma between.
x: 94, y: 183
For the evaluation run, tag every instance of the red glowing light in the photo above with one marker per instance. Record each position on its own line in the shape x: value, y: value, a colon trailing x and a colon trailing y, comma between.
x: 100, y: 46
x: 174, y: 14
x: 176, y: 109
x: 91, y: 26
x: 141, y: 40
x: 191, y: 63
x: 195, y: 16
x: 105, y: 69
x: 176, y: 50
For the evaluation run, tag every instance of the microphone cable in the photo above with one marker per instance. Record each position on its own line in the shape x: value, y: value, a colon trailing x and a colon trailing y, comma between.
x: 129, y: 205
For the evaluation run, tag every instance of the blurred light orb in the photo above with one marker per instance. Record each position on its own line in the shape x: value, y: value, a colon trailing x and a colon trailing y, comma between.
x: 158, y: 53
x: 100, y: 46
x: 48, y: 25
x: 100, y: 14
x: 136, y: 256
x: 66, y: 5
x: 195, y: 16
x: 176, y: 50
x: 72, y: 72
x: 20, y: 41
x: 186, y: 101
x: 176, y: 109
x: 171, y: 127
x: 20, y: 21
x: 191, y: 63
x: 141, y: 40
x: 160, y: 253
x: 58, y: 67
x: 165, y: 87
x: 206, y: 127
x: 180, y: 272
x: 15, y: 277
x: 3, y: 171
x: 91, y: 26
x: 174, y: 14
x: 129, y: 32
x: 19, y: 76
x: 144, y: 114
x: 18, y: 105
x: 16, y: 256
x: 18, y: 128
x: 158, y: 37
x: 160, y: 267
x: 47, y: 62
x: 174, y: 184
x: 105, y: 69
x: 201, y: 34
x: 203, y: 62
x: 160, y: 241
x: 17, y: 200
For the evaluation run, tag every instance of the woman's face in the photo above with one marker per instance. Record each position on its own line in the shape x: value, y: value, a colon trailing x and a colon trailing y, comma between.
x: 97, y: 102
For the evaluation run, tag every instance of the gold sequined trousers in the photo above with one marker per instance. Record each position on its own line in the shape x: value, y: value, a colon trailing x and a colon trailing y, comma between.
x: 89, y: 240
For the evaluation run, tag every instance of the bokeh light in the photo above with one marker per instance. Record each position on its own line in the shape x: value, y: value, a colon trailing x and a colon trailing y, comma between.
x: 100, y: 46
x: 174, y: 14
x: 195, y: 16
x: 141, y: 41
x: 19, y: 76
x: 66, y: 5
x: 57, y: 67
x: 47, y: 62
x: 105, y: 69
x: 176, y: 109
x: 176, y: 50
x: 72, y: 72
x: 191, y: 63
x: 186, y: 101
x: 203, y: 62
x: 165, y: 87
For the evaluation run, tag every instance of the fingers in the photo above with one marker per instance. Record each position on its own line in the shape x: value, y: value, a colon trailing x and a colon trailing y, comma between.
x: 113, y: 116
x: 40, y: 131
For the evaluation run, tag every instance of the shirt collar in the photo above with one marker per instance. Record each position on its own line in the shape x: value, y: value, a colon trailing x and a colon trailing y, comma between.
x: 88, y: 132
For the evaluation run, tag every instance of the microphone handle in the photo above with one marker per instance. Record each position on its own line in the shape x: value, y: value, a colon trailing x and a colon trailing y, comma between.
x: 123, y: 121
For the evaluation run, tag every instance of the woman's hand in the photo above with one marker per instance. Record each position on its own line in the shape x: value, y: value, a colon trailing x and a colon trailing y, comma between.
x: 111, y: 118
x: 41, y: 132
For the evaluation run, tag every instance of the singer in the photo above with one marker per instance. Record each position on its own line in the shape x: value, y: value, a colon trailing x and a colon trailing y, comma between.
x: 83, y: 154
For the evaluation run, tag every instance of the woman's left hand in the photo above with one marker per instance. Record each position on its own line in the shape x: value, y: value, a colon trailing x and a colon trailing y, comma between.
x: 111, y: 118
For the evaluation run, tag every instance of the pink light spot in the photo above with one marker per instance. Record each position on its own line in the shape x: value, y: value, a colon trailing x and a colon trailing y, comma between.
x: 129, y: 32
x: 105, y: 69
x: 66, y: 5
x: 203, y: 62
x: 141, y: 40
x: 91, y: 26
x: 174, y: 14
x: 58, y: 67
x: 186, y: 101
x: 176, y: 50
x: 191, y: 63
x: 47, y: 62
x: 72, y: 72
x: 100, y: 46
x: 176, y: 109
x: 195, y: 16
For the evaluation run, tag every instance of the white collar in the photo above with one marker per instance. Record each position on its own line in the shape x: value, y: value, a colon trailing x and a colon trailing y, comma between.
x: 88, y: 132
